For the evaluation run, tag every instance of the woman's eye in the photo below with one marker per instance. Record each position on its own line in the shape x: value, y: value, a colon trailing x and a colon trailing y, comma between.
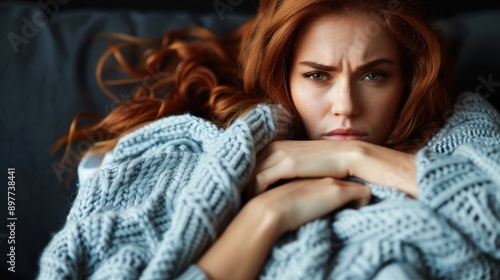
x: 374, y: 76
x: 316, y: 76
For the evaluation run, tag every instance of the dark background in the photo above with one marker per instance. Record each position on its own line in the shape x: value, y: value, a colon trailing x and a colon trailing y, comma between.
x: 43, y: 208
x: 438, y: 9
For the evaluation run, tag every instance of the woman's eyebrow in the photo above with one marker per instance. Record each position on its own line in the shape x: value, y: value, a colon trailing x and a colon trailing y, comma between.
x: 374, y: 63
x: 318, y: 66
x: 363, y: 67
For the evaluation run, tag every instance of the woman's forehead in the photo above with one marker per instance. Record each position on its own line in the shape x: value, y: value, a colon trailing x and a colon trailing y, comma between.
x: 358, y: 36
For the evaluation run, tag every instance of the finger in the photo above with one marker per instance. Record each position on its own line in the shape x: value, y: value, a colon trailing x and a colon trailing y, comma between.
x: 364, y: 199
x: 282, y: 170
x: 251, y: 189
x: 313, y: 198
x: 261, y: 163
x: 335, y: 193
x: 355, y: 194
x: 358, y: 203
x: 265, y: 161
x: 270, y: 149
x: 269, y: 158
x: 329, y: 191
x: 347, y: 191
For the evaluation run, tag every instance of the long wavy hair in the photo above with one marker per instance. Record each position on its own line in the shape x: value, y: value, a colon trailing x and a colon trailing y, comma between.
x: 220, y: 78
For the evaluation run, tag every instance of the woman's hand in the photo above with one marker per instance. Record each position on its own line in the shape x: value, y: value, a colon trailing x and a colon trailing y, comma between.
x: 282, y: 160
x: 302, y: 200
x: 287, y: 159
x: 266, y: 217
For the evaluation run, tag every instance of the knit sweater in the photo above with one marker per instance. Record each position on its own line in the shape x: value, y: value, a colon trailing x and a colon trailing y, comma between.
x: 173, y: 185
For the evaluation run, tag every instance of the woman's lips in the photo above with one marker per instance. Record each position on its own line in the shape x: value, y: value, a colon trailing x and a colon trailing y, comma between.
x: 344, y: 137
x: 345, y: 134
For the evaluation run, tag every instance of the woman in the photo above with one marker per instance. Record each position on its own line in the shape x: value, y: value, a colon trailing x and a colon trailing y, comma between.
x: 366, y: 82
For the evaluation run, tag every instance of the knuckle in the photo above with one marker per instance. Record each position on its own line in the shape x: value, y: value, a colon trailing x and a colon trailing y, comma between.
x: 289, y: 162
x: 280, y: 153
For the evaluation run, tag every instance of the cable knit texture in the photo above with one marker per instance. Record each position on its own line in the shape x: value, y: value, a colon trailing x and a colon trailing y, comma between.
x: 175, y: 184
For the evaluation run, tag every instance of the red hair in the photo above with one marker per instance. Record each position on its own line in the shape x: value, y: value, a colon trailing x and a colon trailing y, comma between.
x: 425, y: 68
x: 219, y: 78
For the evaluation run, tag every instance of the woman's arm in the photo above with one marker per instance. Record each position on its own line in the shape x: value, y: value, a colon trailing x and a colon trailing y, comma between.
x: 242, y: 249
x: 384, y: 166
x: 338, y: 159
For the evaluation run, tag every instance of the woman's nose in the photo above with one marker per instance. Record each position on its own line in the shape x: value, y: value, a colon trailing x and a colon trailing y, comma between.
x: 343, y: 101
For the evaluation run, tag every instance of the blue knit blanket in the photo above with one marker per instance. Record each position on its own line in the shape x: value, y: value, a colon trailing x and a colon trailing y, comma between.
x: 175, y: 184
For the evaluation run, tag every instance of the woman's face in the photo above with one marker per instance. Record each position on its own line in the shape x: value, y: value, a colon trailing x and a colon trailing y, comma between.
x: 346, y: 80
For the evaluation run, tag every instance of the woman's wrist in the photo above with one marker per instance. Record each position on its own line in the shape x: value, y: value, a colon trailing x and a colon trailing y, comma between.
x: 266, y: 219
x: 383, y: 166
